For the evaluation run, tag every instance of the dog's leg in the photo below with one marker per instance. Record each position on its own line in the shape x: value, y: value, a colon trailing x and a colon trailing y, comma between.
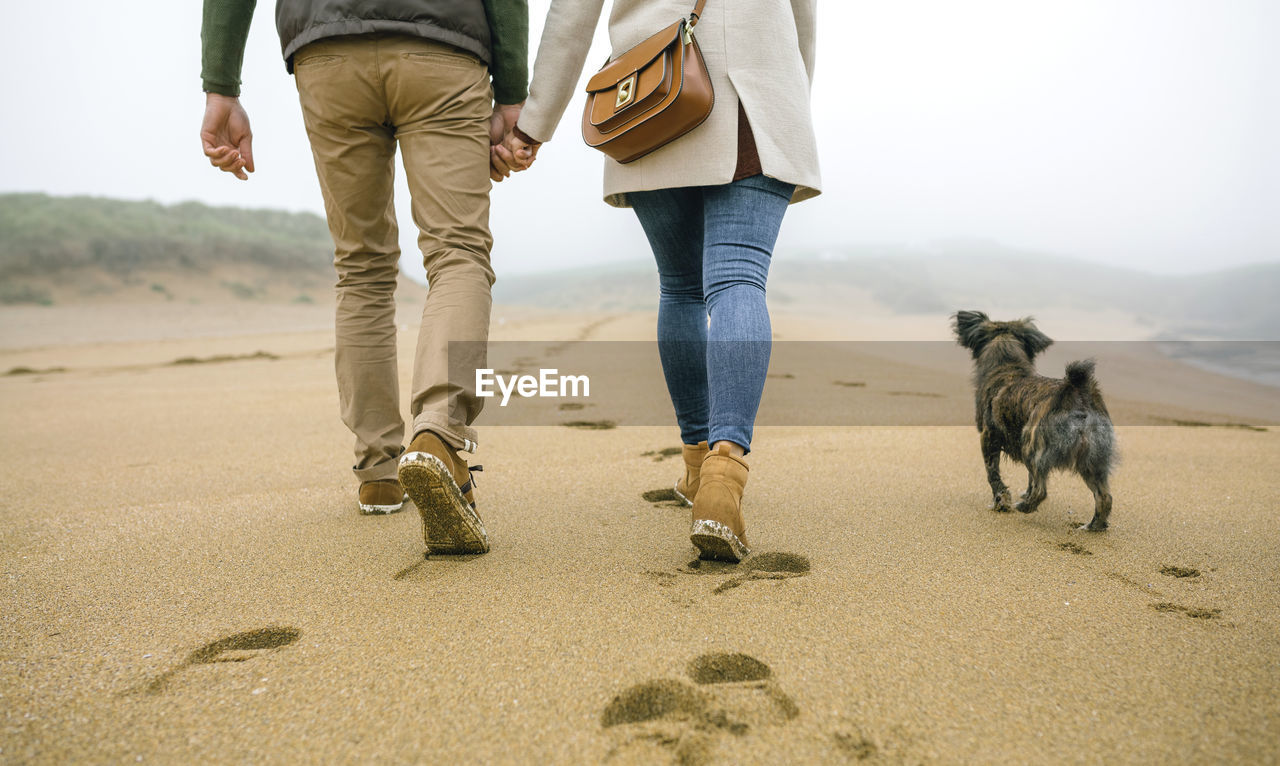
x: 1002, y: 501
x: 1101, y: 502
x: 1037, y: 488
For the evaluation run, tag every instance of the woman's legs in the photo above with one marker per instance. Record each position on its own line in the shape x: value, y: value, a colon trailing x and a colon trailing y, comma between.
x: 673, y: 222
x: 713, y: 246
x: 741, y: 226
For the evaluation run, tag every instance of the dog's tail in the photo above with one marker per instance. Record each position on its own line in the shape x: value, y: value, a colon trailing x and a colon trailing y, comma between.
x: 1079, y: 387
x: 1080, y: 373
x: 1078, y: 432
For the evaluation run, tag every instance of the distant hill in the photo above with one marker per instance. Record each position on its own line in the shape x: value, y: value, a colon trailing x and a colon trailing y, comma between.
x: 74, y: 249
x: 40, y: 234
x: 1233, y: 303
x: 1237, y: 302
x: 108, y: 244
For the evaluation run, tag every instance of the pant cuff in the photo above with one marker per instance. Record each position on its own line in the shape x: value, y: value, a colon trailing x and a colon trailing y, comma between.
x: 456, y: 435
x: 387, y: 469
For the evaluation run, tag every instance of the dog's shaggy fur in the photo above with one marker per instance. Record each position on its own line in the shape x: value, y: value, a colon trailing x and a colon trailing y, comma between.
x: 1043, y: 423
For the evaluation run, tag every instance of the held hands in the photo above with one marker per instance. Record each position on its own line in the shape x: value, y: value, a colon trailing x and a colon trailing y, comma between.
x: 225, y: 134
x: 508, y: 153
x: 500, y: 124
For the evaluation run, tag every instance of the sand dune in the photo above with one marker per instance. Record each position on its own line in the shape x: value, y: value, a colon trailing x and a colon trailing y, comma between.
x: 187, y: 578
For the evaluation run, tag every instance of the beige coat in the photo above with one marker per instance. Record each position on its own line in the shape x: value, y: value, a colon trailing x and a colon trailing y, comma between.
x: 757, y: 51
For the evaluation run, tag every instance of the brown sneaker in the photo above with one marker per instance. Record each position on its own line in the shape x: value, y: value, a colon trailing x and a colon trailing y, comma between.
x: 439, y: 483
x: 382, y: 496
x: 718, y: 530
x: 687, y: 485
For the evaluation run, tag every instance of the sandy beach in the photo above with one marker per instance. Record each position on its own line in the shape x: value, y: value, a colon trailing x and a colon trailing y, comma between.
x: 187, y: 578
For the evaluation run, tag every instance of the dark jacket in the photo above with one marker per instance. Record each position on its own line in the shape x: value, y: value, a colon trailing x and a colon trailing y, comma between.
x: 460, y: 23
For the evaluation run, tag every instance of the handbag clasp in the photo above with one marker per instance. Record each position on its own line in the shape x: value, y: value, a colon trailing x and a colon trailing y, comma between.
x: 626, y: 92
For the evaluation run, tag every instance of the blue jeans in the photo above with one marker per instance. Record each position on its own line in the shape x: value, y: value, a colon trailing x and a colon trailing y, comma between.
x: 713, y: 245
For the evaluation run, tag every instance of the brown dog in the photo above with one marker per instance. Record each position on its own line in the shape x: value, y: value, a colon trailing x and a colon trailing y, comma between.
x: 1043, y: 423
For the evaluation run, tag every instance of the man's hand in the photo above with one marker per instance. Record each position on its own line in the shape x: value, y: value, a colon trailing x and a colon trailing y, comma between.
x: 500, y: 124
x: 514, y: 154
x: 225, y: 134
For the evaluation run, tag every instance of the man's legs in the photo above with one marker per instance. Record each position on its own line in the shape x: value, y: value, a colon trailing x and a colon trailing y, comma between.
x: 354, y: 149
x: 440, y: 102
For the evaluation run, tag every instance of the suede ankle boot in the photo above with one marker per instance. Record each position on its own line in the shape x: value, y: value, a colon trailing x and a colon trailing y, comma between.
x: 439, y: 483
x: 687, y: 486
x: 719, y: 531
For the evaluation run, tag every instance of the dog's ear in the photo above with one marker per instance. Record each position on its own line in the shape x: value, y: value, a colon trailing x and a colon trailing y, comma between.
x: 972, y: 329
x: 1033, y: 341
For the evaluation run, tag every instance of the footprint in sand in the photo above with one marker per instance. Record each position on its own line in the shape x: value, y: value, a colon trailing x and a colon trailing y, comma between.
x: 1194, y: 613
x: 591, y: 425
x: 674, y: 721
x: 1149, y: 590
x: 773, y: 565
x: 667, y: 582
x: 1078, y: 550
x: 854, y: 745
x: 14, y: 371
x: 188, y: 360
x: 663, y: 498
x: 239, y: 647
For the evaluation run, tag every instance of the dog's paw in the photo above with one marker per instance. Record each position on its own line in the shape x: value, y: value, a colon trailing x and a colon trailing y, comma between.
x: 1024, y: 506
x: 1002, y: 503
x: 1093, y: 526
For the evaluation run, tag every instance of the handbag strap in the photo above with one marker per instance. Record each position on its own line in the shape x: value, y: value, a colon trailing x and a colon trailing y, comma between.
x: 697, y: 13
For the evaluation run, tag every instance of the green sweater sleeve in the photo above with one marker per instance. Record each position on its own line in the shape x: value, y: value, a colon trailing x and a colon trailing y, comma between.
x: 222, y: 37
x: 509, y: 41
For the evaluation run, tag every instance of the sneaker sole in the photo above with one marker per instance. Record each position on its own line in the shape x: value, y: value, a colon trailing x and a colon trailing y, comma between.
x: 449, y: 526
x: 369, y: 509
x: 716, y: 542
x: 679, y: 494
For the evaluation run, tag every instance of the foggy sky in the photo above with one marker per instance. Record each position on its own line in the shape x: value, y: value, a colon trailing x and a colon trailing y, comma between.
x: 1139, y: 133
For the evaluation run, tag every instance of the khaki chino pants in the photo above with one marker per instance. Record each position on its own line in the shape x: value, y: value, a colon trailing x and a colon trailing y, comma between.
x: 360, y: 96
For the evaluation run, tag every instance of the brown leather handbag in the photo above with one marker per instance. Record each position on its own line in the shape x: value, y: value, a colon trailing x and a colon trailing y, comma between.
x: 651, y: 95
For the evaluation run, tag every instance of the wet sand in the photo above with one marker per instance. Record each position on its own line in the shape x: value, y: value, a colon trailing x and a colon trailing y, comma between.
x: 187, y: 579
